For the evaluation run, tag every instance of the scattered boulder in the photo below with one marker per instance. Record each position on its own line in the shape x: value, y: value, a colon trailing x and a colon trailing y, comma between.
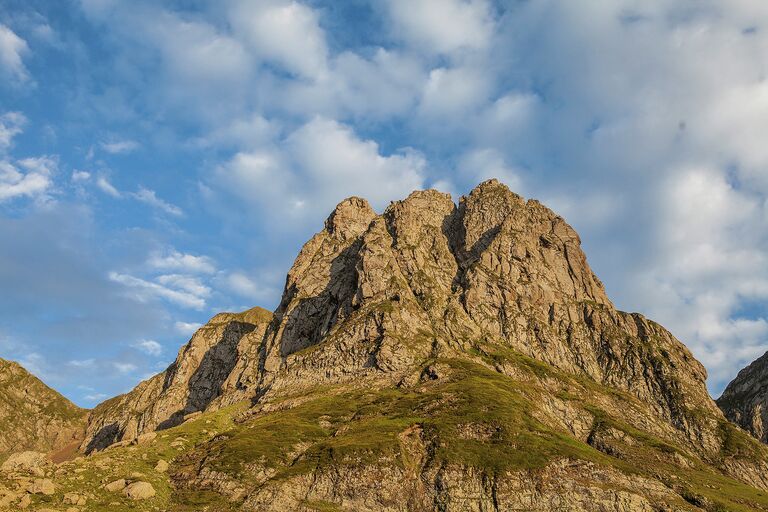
x: 26, y: 462
x: 72, y: 498
x: 139, y: 491
x: 42, y: 486
x: 117, y: 485
x: 161, y: 466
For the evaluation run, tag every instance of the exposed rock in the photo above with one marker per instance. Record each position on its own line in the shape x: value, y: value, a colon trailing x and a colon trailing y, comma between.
x: 32, y: 415
x: 42, y: 486
x: 73, y: 498
x: 214, y: 369
x: 34, y: 463
x: 139, y: 490
x: 745, y: 399
x: 161, y: 466
x: 116, y: 485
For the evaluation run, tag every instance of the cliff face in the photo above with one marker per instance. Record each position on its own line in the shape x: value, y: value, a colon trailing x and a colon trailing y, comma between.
x: 32, y: 415
x: 381, y: 294
x: 439, y: 357
x: 214, y: 369
x: 745, y: 399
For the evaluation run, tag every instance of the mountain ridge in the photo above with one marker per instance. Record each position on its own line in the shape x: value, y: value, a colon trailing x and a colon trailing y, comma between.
x: 432, y: 357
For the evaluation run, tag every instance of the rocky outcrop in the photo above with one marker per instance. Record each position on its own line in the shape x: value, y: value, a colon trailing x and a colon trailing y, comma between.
x: 745, y: 399
x: 215, y: 368
x: 376, y: 294
x: 32, y: 415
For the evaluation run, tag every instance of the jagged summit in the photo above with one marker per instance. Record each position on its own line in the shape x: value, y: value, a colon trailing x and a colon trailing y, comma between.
x: 443, y: 356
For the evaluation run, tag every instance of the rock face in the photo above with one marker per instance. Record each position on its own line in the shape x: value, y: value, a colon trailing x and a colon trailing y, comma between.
x: 745, y: 399
x: 32, y: 415
x: 215, y: 368
x: 378, y: 294
x: 441, y: 357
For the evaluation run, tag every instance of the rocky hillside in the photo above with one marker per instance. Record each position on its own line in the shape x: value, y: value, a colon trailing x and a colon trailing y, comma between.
x: 435, y: 357
x: 217, y: 367
x: 745, y: 399
x: 32, y: 415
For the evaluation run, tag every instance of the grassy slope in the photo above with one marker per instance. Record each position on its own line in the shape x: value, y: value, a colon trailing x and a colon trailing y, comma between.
x: 340, y: 426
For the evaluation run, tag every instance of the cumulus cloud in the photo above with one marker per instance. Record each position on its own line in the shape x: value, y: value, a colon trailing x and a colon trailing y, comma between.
x: 320, y: 164
x: 284, y: 32
x: 33, y: 181
x: 443, y: 26
x: 12, y: 50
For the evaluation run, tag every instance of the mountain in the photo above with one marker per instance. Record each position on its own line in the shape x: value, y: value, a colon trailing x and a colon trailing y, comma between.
x: 214, y: 369
x: 435, y: 357
x: 745, y: 399
x: 33, y: 416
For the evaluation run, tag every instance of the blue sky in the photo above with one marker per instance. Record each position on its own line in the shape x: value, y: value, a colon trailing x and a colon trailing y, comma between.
x: 163, y: 161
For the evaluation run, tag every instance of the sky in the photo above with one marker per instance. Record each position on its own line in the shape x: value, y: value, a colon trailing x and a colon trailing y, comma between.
x: 161, y: 161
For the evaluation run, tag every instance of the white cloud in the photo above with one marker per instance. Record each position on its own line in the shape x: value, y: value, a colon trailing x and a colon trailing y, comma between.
x: 105, y: 186
x: 119, y: 146
x: 189, y: 284
x: 322, y: 163
x: 186, y: 328
x: 283, y: 32
x: 175, y: 260
x: 443, y: 26
x: 80, y: 176
x: 11, y: 124
x: 149, y: 197
x: 150, y: 347
x: 125, y: 368
x: 143, y: 291
x: 450, y: 92
x: 34, y: 183
x: 12, y: 48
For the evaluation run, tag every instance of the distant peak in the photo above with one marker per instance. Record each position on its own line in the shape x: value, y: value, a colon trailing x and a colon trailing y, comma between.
x: 350, y: 218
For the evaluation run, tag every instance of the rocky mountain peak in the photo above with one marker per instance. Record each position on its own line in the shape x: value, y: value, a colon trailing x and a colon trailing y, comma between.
x: 373, y: 298
x: 349, y: 218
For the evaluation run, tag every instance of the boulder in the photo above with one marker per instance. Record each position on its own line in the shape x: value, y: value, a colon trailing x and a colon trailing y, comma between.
x: 139, y: 491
